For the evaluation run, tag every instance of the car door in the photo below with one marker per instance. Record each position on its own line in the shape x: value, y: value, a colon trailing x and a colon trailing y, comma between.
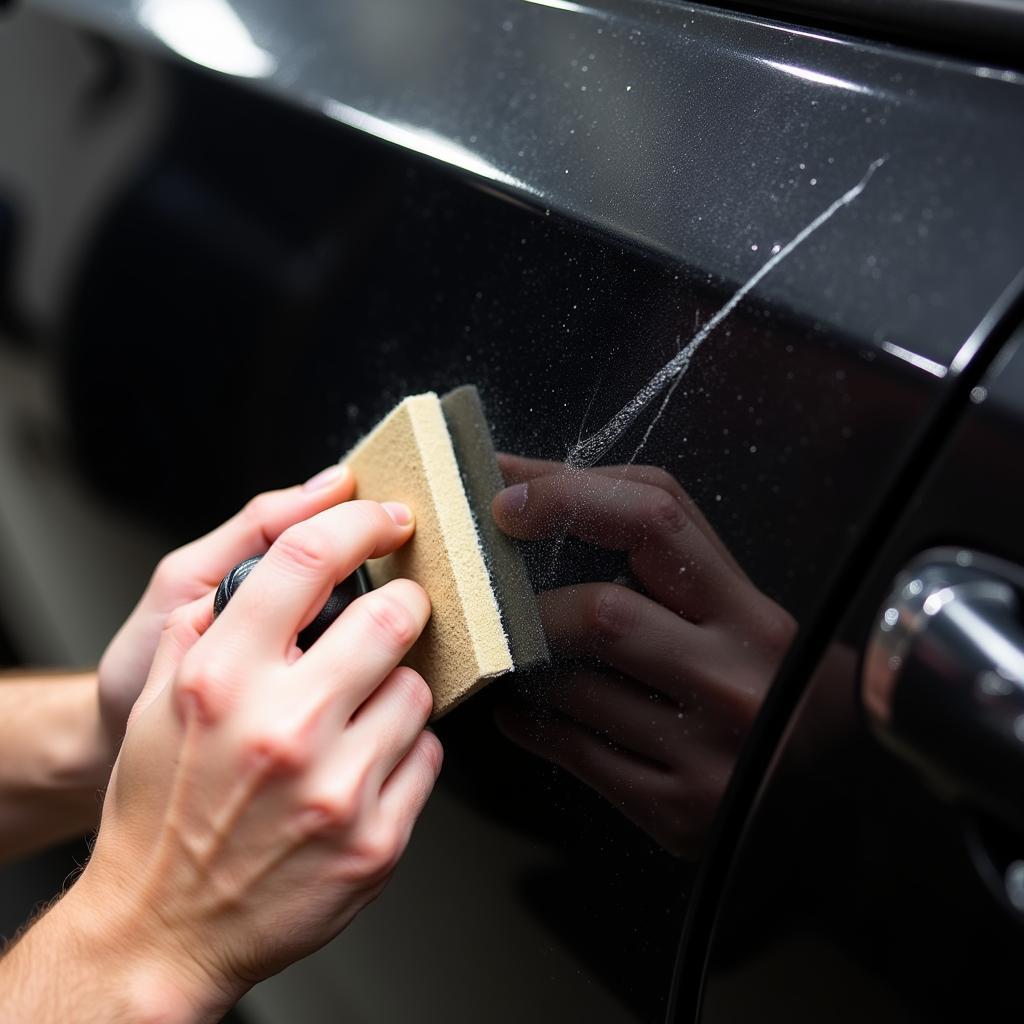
x: 895, y: 849
x: 719, y: 278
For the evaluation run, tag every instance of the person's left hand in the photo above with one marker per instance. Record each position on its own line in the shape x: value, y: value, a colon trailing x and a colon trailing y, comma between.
x: 195, y: 570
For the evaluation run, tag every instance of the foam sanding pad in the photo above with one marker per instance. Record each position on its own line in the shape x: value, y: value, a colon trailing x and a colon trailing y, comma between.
x: 436, y: 455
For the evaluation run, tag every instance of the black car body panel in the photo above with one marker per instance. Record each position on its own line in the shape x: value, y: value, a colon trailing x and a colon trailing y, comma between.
x: 887, y: 887
x: 770, y: 253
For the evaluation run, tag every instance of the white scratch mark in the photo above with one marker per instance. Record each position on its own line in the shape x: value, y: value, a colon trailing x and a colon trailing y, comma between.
x: 589, y: 450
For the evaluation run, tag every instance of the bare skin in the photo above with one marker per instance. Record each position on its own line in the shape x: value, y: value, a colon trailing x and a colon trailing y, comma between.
x: 54, y: 759
x: 261, y: 796
x: 60, y: 732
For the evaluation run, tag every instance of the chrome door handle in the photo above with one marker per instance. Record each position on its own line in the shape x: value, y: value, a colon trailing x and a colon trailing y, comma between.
x: 943, y: 677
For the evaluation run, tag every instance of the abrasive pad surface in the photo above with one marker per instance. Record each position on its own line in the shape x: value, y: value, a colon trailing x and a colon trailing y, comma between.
x: 481, y: 480
x: 409, y: 457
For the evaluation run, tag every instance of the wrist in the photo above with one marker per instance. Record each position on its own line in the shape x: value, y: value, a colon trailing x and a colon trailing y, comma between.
x: 134, y: 968
x: 54, y: 759
x: 74, y: 753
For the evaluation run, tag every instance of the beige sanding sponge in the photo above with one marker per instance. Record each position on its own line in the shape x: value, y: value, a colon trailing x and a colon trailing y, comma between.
x: 409, y: 456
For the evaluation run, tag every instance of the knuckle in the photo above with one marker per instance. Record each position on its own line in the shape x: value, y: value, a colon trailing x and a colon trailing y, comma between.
x: 777, y: 629
x: 306, y: 547
x: 659, y: 477
x: 415, y: 692
x: 201, y: 682
x: 168, y: 570
x: 433, y: 752
x: 392, y: 621
x: 176, y: 623
x: 739, y: 705
x: 613, y: 613
x: 256, y: 510
x: 279, y: 749
x: 377, y: 851
x: 335, y: 811
x: 192, y: 675
x: 665, y: 513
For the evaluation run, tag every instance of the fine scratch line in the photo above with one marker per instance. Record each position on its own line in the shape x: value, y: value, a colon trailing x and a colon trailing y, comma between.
x: 588, y: 451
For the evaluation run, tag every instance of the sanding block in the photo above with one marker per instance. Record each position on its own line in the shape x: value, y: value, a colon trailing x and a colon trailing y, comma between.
x: 437, y: 456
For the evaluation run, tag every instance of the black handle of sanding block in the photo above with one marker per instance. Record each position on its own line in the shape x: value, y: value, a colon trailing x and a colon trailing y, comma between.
x: 340, y: 598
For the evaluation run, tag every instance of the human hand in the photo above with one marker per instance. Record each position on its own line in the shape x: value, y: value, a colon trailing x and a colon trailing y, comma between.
x: 262, y: 796
x: 192, y: 572
x: 680, y: 665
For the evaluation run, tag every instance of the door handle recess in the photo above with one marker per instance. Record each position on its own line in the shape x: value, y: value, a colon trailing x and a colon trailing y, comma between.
x: 943, y: 677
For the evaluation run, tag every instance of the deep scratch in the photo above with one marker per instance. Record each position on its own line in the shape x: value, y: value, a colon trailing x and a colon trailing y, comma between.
x: 588, y: 451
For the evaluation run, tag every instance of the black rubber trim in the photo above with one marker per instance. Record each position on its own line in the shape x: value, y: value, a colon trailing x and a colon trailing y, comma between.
x: 975, y: 29
x: 752, y: 767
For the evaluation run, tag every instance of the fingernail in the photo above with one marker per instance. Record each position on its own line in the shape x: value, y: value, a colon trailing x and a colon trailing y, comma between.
x: 326, y: 477
x: 400, y: 513
x: 512, y: 499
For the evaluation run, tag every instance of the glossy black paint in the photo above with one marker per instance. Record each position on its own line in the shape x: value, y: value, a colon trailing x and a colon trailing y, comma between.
x: 892, y: 887
x: 264, y: 258
x: 704, y: 136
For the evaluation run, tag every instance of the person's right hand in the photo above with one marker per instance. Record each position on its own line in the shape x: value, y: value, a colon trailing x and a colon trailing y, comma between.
x: 263, y: 796
x: 192, y: 572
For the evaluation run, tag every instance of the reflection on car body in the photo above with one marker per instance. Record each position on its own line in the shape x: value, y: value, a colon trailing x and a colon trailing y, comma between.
x: 663, y: 668
x: 438, y: 200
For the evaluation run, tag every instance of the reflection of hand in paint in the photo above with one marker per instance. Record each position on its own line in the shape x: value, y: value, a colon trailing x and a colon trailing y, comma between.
x: 679, y: 665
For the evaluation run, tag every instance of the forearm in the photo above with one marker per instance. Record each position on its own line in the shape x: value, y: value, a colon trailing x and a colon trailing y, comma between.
x: 86, y: 965
x: 54, y: 759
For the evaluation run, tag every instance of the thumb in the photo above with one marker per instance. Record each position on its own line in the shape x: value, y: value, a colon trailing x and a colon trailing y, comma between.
x: 263, y: 519
x: 184, y: 626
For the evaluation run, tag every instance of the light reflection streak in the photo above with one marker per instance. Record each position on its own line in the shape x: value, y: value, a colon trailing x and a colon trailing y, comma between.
x: 791, y: 30
x: 566, y: 5
x: 921, y: 362
x: 207, y: 32
x: 999, y: 75
x: 424, y: 141
x: 816, y: 76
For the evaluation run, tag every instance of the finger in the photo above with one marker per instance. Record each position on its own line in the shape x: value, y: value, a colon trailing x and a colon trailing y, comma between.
x: 517, y: 469
x: 674, y: 808
x: 285, y: 591
x: 389, y: 723
x: 630, y: 632
x: 708, y: 670
x: 365, y: 643
x: 669, y: 553
x: 656, y: 477
x: 407, y: 788
x: 621, y: 778
x: 252, y: 530
x: 180, y: 634
x: 520, y: 469
x: 636, y: 719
